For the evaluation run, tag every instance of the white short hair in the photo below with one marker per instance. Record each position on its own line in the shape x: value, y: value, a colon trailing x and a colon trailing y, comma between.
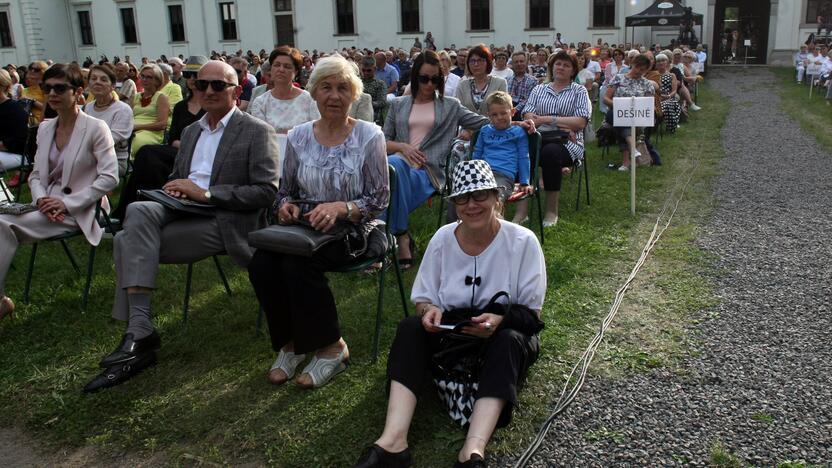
x: 335, y: 65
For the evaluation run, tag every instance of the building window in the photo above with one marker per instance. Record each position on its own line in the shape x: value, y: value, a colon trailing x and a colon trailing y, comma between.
x: 5, y: 30
x: 228, y: 20
x: 85, y: 25
x: 344, y: 18
x: 128, y: 26
x: 284, y: 24
x: 410, y: 15
x: 177, y: 23
x: 603, y: 13
x: 539, y: 14
x: 815, y: 8
x: 480, y: 14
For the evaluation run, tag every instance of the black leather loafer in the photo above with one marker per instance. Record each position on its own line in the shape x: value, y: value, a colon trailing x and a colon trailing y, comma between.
x: 130, y: 348
x: 121, y: 373
x: 376, y: 457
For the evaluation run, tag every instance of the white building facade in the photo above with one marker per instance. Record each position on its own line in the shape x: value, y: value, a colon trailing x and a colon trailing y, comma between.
x: 65, y: 30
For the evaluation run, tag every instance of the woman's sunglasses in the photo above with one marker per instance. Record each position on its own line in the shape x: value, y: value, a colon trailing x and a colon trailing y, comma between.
x: 216, y: 85
x: 189, y: 75
x: 59, y: 88
x: 436, y: 79
x: 478, y: 196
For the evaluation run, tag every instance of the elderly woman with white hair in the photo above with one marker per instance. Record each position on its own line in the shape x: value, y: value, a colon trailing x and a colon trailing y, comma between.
x: 341, y: 164
x: 150, y: 109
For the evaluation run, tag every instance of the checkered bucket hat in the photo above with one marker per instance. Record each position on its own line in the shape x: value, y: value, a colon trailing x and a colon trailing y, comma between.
x: 472, y: 176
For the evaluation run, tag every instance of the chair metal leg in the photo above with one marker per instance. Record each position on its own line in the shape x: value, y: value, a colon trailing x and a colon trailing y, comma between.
x: 222, y: 275
x: 90, y: 263
x: 29, y: 273
x: 188, y: 277
x: 399, y: 281
x: 586, y: 176
x: 379, y: 306
x: 539, y: 197
x: 71, y: 257
x: 578, y: 198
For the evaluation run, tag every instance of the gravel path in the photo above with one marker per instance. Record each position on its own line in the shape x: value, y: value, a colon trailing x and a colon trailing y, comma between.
x: 760, y: 379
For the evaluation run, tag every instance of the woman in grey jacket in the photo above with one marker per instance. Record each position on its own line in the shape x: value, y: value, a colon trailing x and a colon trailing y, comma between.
x: 419, y: 130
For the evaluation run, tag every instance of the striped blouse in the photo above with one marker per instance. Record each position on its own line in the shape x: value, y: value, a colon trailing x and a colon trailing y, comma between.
x: 355, y: 170
x: 572, y: 101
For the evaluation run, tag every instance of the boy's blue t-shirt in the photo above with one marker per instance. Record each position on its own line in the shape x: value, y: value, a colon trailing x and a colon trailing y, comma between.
x: 506, y: 151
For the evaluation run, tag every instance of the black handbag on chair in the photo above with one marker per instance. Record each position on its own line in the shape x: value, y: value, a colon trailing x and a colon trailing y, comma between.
x: 364, y: 239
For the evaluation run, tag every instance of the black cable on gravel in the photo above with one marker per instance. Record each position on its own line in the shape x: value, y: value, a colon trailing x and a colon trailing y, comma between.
x: 765, y: 352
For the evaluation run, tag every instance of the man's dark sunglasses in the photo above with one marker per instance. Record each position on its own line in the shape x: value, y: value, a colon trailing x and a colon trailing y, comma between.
x: 59, y: 88
x: 436, y: 79
x: 188, y: 75
x: 216, y: 85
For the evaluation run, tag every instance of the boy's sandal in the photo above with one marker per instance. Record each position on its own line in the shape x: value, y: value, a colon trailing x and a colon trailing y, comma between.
x: 288, y: 362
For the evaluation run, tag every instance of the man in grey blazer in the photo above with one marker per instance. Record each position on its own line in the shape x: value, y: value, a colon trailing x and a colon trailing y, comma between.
x: 227, y: 159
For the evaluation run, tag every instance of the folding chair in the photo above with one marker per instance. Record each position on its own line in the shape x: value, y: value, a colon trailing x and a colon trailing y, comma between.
x: 62, y: 238
x: 188, y: 280
x: 582, y: 163
x: 446, y: 189
x: 387, y: 258
x: 534, y: 154
x: 27, y: 159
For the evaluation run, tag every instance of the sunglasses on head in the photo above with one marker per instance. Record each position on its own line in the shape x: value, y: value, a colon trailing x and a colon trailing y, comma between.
x: 436, y: 79
x: 189, y: 74
x: 478, y: 196
x: 59, y: 88
x: 216, y: 85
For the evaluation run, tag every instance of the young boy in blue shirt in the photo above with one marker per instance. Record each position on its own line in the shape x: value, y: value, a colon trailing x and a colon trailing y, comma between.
x: 504, y: 147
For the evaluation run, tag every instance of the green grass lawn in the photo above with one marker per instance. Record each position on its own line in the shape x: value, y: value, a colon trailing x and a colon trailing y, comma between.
x: 208, y: 397
x: 813, y: 114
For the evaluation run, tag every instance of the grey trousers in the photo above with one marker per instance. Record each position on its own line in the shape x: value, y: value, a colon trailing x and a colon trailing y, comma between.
x: 153, y: 235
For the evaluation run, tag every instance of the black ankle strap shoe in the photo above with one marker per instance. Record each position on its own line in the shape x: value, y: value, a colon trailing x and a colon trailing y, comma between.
x: 476, y: 461
x: 376, y: 457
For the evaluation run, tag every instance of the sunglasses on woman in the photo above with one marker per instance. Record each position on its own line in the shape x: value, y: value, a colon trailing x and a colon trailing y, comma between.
x: 189, y: 75
x: 436, y: 79
x: 216, y: 85
x: 59, y: 88
x: 478, y: 196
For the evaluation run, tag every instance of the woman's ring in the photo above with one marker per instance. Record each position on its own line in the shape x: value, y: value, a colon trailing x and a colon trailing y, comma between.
x: 488, y: 325
x: 328, y: 216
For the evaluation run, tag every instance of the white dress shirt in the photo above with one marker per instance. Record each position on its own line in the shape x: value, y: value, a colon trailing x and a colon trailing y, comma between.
x: 206, y: 149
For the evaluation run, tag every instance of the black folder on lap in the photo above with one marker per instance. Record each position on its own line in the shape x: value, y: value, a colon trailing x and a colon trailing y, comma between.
x: 178, y: 204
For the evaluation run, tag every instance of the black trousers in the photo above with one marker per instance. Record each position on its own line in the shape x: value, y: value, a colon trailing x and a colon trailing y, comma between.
x: 151, y: 169
x: 295, y: 296
x: 507, y: 357
x: 553, y: 158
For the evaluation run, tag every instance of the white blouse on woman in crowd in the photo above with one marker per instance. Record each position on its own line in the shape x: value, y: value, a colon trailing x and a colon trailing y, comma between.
x: 284, y: 114
x: 450, y: 278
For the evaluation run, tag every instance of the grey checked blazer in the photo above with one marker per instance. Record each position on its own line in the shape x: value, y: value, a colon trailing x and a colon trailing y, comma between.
x: 449, y: 115
x: 243, y: 178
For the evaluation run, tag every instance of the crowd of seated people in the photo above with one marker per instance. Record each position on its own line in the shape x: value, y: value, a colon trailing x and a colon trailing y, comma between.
x: 253, y: 135
x: 815, y: 58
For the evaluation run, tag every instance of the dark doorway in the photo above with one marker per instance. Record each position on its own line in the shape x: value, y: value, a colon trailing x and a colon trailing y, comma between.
x: 741, y: 31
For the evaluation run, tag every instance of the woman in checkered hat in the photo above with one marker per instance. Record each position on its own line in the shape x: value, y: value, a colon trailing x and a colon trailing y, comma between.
x: 464, y: 266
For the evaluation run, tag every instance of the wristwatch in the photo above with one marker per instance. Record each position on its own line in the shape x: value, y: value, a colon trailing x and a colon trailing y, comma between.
x: 208, y: 195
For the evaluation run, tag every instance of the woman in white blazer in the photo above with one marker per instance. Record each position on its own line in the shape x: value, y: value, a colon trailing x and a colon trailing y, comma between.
x: 75, y: 166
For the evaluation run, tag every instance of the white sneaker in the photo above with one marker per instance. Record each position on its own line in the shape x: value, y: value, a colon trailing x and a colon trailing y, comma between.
x: 623, y: 168
x: 520, y: 221
x: 694, y: 107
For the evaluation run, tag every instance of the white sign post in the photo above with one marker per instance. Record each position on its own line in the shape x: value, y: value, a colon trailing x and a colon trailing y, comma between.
x: 633, y: 112
x: 813, y: 69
